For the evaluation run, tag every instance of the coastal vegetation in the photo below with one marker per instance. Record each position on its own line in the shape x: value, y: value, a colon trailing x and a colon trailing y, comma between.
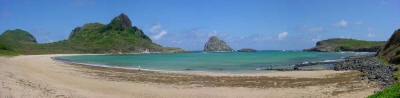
x: 343, y: 44
x: 390, y: 92
x: 390, y: 54
x: 119, y: 36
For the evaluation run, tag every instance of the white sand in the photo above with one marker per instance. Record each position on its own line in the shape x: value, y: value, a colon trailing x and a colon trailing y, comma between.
x: 38, y: 76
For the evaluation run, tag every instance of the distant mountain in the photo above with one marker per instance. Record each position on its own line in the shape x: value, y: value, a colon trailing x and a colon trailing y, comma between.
x: 214, y: 44
x: 342, y: 44
x: 391, y: 51
x: 119, y: 36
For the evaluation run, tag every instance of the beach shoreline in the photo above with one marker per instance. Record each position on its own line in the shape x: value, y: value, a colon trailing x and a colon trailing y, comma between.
x: 72, y: 80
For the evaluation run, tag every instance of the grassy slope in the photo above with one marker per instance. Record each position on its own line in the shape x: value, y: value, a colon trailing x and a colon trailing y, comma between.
x: 352, y: 44
x: 93, y: 38
x: 99, y: 38
x: 340, y: 44
x: 391, y: 92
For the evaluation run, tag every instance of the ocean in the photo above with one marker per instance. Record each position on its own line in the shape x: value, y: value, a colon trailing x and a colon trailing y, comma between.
x: 229, y: 62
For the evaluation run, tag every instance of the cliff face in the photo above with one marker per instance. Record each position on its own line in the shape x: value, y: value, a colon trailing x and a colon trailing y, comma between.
x: 391, y: 50
x: 214, y: 44
x: 341, y: 44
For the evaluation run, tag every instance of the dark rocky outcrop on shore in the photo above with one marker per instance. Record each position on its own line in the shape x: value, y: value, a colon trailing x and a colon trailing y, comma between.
x: 247, y: 50
x: 391, y: 51
x: 371, y: 68
x: 214, y: 44
x: 342, y: 44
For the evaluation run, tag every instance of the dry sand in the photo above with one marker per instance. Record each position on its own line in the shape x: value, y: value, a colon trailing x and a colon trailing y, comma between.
x: 38, y: 76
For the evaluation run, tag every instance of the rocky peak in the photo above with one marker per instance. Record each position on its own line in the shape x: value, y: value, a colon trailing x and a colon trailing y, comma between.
x: 214, y: 44
x: 123, y: 19
x: 75, y: 31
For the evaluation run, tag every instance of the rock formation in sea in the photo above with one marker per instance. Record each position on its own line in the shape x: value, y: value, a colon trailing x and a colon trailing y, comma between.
x: 214, y: 44
x: 391, y: 51
x: 247, y: 50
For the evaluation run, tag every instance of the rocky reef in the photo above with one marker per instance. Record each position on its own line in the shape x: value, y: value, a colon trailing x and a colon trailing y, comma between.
x: 214, y: 44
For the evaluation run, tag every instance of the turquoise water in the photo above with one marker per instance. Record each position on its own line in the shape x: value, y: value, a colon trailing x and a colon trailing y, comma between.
x: 235, y: 62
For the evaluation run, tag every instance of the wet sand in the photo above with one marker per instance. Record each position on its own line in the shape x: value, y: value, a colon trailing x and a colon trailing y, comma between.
x: 40, y: 76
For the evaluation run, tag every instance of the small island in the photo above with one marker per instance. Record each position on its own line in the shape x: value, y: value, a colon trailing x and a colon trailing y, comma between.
x: 247, y: 50
x: 214, y: 44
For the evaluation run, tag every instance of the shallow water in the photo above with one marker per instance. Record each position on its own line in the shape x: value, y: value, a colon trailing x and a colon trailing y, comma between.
x: 232, y: 62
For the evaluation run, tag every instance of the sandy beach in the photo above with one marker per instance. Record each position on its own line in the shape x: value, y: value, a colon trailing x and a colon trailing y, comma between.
x: 39, y: 76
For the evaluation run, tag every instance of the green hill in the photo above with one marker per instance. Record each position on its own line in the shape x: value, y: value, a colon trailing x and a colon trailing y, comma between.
x: 119, y: 36
x: 341, y: 44
x: 391, y: 51
x: 390, y: 54
x: 18, y: 35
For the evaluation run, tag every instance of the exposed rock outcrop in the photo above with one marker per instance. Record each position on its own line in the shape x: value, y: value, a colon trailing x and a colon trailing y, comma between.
x: 123, y: 19
x: 75, y: 31
x: 342, y: 44
x: 247, y: 50
x: 372, y: 69
x: 214, y: 44
x: 391, y: 50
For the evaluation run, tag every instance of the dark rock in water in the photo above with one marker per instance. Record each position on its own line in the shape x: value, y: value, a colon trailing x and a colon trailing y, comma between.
x: 247, y: 50
x: 391, y: 50
x: 123, y: 19
x: 371, y: 68
x: 214, y: 44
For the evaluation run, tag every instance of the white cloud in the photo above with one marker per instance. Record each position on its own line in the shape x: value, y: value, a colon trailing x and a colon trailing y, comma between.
x: 370, y: 30
x: 155, y: 28
x: 359, y: 22
x: 315, y: 39
x: 311, y: 28
x: 176, y: 42
x: 371, y: 35
x: 341, y: 23
x: 315, y: 29
x: 282, y: 35
x: 160, y: 35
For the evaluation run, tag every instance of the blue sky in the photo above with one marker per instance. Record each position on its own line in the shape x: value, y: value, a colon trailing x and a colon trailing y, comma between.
x: 259, y: 24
